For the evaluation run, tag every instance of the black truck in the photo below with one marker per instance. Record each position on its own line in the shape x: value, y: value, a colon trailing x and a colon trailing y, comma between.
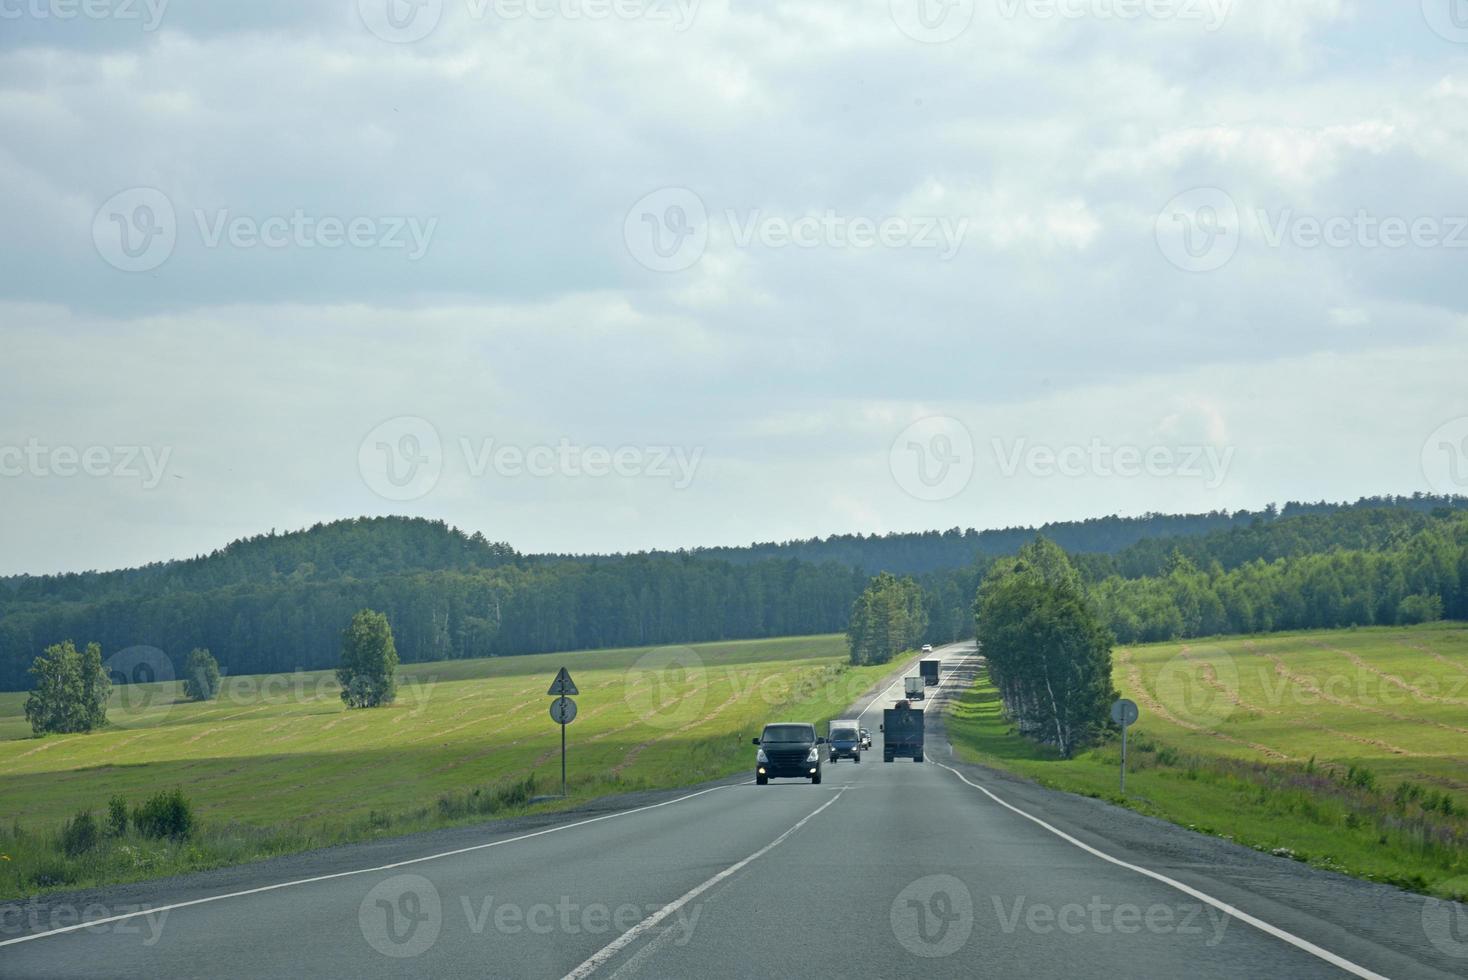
x: 929, y: 670
x: 902, y: 732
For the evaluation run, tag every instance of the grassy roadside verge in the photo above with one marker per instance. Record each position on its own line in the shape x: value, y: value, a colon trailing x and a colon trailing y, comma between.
x: 1326, y: 816
x: 280, y: 768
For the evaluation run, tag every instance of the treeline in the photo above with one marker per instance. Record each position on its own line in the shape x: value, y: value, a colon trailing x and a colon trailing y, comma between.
x: 888, y: 617
x: 1047, y: 654
x: 915, y: 553
x: 1419, y: 578
x: 285, y: 625
x: 1354, y: 529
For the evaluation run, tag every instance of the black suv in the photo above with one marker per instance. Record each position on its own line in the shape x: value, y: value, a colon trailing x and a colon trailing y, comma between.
x: 788, y: 751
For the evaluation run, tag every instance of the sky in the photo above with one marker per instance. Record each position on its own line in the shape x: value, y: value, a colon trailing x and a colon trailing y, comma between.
x: 612, y: 275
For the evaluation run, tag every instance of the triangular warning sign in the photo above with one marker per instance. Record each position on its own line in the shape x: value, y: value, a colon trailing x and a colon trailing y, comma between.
x: 563, y: 685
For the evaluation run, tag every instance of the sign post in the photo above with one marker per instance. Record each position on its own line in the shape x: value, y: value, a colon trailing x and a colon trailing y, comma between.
x: 563, y: 712
x: 1124, y: 713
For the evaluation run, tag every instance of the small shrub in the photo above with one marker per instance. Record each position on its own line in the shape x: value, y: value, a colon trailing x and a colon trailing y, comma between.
x: 117, y: 816
x: 79, y: 834
x: 165, y: 815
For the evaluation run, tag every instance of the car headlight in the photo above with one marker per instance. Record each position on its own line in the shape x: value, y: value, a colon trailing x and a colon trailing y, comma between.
x: 761, y: 758
x: 814, y: 755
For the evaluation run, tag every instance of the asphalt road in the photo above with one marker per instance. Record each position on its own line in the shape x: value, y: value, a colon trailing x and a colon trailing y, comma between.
x: 884, y: 870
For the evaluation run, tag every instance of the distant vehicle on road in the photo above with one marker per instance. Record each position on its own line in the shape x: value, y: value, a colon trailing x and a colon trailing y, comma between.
x: 927, y: 648
x: 788, y: 750
x: 914, y: 687
x: 929, y: 669
x: 843, y: 739
x: 866, y: 739
x: 902, y: 732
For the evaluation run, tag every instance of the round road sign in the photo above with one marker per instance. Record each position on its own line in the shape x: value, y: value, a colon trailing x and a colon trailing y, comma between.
x: 563, y: 711
x: 1124, y: 712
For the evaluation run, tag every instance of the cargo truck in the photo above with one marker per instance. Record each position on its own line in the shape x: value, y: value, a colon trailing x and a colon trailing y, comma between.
x: 914, y: 687
x: 902, y: 733
x: 929, y: 670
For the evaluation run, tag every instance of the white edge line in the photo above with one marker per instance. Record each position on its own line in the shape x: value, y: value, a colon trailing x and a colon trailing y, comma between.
x: 1224, y: 907
x: 611, y: 949
x: 346, y: 874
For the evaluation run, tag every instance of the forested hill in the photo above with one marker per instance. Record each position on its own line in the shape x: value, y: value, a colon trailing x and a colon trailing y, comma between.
x: 363, y: 548
x: 278, y: 602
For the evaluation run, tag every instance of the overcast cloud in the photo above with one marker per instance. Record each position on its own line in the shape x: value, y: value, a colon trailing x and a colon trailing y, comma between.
x: 593, y: 275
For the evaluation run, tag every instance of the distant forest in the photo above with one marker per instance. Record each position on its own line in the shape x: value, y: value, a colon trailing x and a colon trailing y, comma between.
x: 278, y: 602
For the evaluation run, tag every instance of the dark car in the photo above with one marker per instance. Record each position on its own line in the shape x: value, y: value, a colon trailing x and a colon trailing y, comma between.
x: 788, y: 751
x: 844, y: 739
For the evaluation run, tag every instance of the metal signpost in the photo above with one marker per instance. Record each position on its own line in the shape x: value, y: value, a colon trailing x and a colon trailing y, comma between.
x: 1124, y: 713
x: 563, y: 712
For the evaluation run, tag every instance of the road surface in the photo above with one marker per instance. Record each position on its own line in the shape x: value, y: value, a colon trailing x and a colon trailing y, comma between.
x: 885, y: 870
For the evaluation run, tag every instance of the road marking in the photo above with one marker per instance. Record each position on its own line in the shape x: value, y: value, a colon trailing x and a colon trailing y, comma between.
x: 1227, y: 909
x: 347, y: 874
x: 614, y: 947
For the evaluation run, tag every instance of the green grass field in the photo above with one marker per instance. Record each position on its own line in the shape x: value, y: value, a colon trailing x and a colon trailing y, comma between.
x: 278, y: 763
x: 1347, y: 749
